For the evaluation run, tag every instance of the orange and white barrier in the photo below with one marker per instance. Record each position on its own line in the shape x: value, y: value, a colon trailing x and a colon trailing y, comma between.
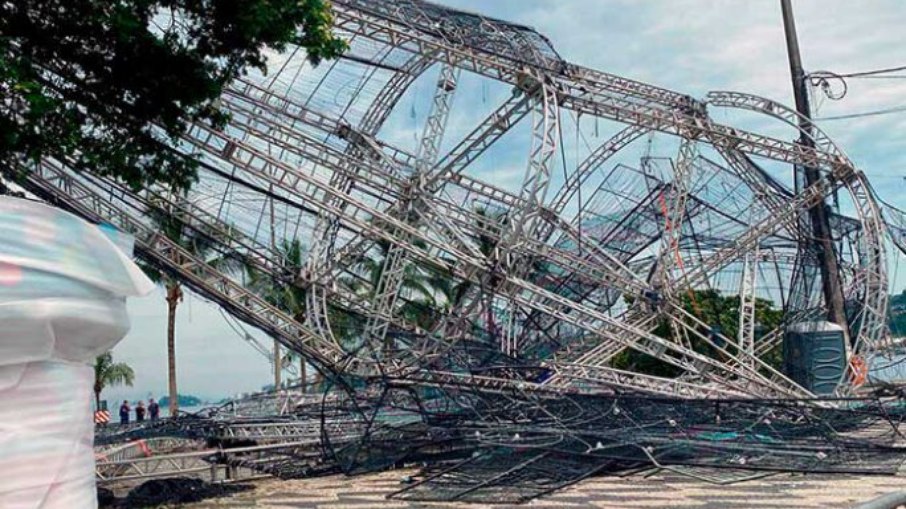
x: 102, y: 417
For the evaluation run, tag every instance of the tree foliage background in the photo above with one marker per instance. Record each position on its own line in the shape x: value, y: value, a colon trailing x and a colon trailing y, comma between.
x: 897, y: 314
x: 107, y: 85
x: 110, y: 374
x: 720, y: 313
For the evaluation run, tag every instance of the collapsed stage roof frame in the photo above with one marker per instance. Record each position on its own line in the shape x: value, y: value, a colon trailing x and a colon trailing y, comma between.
x: 553, y: 287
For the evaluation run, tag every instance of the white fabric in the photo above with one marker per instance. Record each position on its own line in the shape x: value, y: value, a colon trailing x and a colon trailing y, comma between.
x: 63, y: 285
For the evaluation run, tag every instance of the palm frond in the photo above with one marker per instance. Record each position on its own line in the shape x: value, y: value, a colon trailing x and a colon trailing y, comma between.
x: 110, y: 374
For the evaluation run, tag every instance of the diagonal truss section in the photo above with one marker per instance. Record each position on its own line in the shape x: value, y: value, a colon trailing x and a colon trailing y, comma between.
x: 395, y: 264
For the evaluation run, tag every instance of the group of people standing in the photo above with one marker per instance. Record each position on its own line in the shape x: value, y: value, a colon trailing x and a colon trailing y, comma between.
x: 153, y: 411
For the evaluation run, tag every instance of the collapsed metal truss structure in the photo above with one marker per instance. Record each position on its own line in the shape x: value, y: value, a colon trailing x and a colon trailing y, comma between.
x: 431, y: 267
x: 511, y: 447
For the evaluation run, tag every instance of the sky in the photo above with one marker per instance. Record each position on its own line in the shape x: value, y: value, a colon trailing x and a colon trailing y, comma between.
x: 691, y: 46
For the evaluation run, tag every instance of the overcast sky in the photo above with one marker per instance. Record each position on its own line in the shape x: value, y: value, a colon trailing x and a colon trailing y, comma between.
x: 692, y: 46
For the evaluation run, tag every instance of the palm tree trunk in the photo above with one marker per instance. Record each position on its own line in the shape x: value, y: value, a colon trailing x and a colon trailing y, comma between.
x: 489, y: 317
x: 97, y: 400
x: 174, y: 295
x: 278, y: 365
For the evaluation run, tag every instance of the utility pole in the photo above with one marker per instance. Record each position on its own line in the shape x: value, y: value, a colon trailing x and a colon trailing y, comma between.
x: 278, y: 355
x: 821, y: 242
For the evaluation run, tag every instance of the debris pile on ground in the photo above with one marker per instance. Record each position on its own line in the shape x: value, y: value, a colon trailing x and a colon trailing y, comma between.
x: 167, y: 492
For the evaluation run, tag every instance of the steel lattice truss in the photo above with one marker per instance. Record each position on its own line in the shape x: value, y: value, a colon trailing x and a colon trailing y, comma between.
x: 426, y: 264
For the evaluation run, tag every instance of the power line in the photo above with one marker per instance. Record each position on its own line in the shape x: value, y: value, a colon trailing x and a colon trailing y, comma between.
x: 872, y: 73
x: 896, y: 109
x: 823, y: 79
x: 897, y: 77
x: 862, y: 74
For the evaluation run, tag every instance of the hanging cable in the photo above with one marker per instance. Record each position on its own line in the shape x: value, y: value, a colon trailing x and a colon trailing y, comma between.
x: 863, y: 74
x: 825, y: 80
x: 888, y: 111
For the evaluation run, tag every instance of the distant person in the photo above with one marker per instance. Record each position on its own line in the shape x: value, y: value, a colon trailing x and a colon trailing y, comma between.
x: 139, y: 411
x: 124, y: 412
x: 153, y: 409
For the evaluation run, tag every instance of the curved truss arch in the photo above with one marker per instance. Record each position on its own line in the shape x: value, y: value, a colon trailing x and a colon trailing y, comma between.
x: 870, y: 278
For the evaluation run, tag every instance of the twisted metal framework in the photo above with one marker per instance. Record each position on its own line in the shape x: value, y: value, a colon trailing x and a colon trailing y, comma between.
x: 425, y: 270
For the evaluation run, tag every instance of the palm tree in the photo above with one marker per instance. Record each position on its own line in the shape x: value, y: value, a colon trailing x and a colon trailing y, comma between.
x: 420, y: 288
x: 174, y: 296
x: 290, y: 298
x: 110, y: 374
x: 430, y: 291
x: 421, y: 285
x: 494, y: 221
x: 172, y: 223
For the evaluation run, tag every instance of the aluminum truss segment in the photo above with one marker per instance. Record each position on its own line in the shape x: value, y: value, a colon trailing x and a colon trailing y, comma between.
x: 51, y: 180
x: 747, y: 303
x: 613, y: 104
x: 395, y: 263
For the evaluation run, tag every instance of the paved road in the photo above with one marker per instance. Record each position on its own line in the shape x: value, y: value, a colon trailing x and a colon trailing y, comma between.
x: 658, y: 491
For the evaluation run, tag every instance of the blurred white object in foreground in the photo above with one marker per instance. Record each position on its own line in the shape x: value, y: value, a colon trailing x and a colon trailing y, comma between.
x: 63, y: 284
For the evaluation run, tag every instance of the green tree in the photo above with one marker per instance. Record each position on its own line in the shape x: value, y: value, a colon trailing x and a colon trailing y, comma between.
x: 109, y: 85
x: 896, y: 318
x: 491, y: 224
x: 417, y: 286
x: 290, y: 298
x: 110, y: 374
x: 425, y: 290
x: 720, y: 314
x: 173, y: 224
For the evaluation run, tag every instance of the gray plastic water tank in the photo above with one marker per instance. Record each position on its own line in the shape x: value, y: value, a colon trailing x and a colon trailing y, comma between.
x: 814, y: 356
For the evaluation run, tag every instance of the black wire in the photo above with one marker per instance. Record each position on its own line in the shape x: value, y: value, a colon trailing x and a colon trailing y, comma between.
x: 872, y: 73
x: 896, y: 109
x: 823, y: 79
